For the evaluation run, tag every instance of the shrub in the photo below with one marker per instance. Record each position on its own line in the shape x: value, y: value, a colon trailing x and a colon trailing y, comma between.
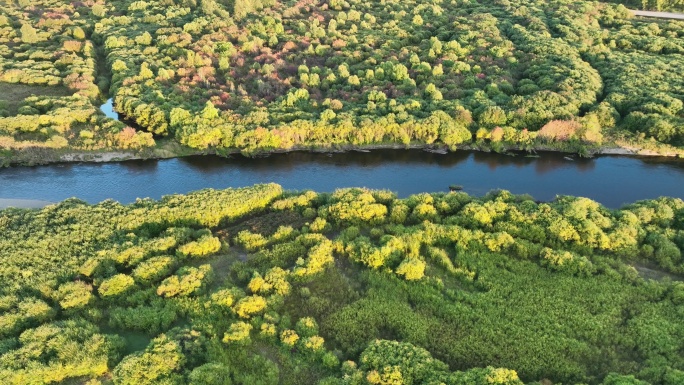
x: 188, y: 280
x: 249, y: 306
x: 205, y: 245
x: 238, y: 332
x: 412, y: 269
x: 116, y: 286
x: 154, y: 268
x: 74, y: 295
x: 560, y: 130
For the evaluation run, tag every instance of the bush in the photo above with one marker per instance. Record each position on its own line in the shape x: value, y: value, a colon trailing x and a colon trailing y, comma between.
x: 560, y: 130
x: 154, y: 269
x: 249, y: 306
x: 74, y: 295
x: 187, y: 281
x: 116, y: 286
x: 205, y: 245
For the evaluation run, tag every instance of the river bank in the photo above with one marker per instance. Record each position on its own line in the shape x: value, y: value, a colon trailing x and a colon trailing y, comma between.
x: 168, y: 150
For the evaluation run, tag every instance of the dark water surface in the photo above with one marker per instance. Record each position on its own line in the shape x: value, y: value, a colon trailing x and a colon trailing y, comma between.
x: 611, y: 180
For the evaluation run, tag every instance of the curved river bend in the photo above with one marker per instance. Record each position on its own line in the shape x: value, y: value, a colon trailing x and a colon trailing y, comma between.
x: 610, y: 180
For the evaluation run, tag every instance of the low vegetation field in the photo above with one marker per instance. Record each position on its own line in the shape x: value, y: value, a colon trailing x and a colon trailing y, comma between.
x: 264, y: 286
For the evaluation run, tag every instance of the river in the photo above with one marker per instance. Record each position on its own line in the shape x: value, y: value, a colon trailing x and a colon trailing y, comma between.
x: 610, y: 180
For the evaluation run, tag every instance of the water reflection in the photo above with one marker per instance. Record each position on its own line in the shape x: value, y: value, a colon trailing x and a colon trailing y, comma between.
x: 544, y: 162
x: 663, y: 163
x: 493, y: 163
x: 293, y: 160
x: 550, y: 164
x: 141, y: 166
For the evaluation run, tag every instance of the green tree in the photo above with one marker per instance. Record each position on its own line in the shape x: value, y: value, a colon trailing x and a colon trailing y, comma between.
x: 28, y: 34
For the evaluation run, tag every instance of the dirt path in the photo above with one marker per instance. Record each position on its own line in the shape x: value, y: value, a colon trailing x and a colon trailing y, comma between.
x: 660, y: 15
x: 651, y: 272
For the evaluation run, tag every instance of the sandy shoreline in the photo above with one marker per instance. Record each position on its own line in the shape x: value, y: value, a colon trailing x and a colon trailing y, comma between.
x: 23, y: 203
x: 99, y: 157
x: 633, y: 151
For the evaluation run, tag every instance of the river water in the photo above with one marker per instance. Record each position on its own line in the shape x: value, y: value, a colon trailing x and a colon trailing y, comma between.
x: 108, y: 109
x: 610, y: 180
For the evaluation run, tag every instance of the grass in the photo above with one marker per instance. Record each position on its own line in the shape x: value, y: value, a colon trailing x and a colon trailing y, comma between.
x: 12, y: 95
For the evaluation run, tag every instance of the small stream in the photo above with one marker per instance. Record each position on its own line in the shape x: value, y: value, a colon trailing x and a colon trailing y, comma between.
x: 108, y: 109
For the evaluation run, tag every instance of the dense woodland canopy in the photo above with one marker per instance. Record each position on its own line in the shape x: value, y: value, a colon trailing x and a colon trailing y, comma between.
x: 264, y: 286
x: 259, y: 75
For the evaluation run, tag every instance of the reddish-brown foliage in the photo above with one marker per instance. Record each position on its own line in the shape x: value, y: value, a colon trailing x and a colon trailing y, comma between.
x: 559, y: 130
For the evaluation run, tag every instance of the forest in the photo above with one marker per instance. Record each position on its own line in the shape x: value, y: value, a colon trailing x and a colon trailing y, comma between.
x: 259, y: 285
x: 219, y: 76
